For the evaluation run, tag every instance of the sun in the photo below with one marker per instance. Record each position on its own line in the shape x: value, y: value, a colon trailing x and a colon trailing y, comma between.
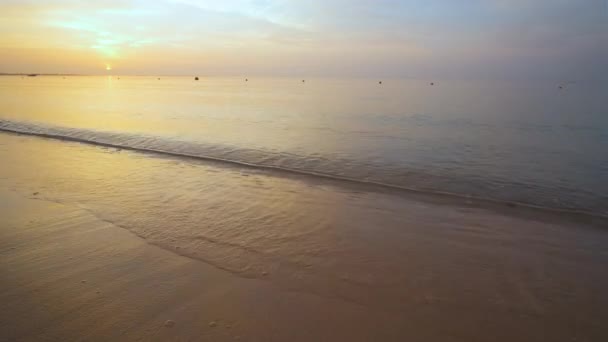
x: 108, y: 67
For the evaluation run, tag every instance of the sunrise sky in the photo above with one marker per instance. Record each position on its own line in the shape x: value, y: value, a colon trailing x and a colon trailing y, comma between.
x: 545, y: 39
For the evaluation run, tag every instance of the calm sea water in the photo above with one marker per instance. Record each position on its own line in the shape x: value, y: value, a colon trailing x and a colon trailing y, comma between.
x: 534, y: 143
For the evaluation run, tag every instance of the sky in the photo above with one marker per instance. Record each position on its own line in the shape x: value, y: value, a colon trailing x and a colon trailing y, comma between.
x: 543, y: 39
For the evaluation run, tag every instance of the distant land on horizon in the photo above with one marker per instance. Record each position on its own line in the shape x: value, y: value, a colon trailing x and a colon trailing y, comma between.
x: 37, y: 74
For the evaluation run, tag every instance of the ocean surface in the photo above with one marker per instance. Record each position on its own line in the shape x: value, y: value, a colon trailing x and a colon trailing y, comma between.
x: 536, y: 143
x: 397, y: 197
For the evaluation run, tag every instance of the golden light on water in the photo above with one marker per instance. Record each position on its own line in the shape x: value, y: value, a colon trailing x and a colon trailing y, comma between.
x: 108, y: 67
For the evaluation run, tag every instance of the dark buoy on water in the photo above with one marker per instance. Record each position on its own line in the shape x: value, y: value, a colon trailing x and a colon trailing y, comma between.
x: 159, y: 78
x: 196, y: 78
x: 432, y: 83
x: 303, y: 81
x: 246, y: 80
x: 379, y: 82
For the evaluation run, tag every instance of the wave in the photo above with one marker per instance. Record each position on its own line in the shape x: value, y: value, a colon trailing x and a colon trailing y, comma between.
x: 257, y: 159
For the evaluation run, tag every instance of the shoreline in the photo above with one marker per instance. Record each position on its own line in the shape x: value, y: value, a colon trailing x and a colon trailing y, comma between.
x: 526, y: 210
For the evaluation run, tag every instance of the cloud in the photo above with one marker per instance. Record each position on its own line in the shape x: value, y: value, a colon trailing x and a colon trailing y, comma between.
x: 468, y: 38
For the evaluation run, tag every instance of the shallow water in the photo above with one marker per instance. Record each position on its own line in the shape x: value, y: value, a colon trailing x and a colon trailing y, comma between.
x: 532, y: 143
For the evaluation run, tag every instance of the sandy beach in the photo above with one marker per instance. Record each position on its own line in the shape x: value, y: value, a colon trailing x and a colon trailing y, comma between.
x: 95, y: 253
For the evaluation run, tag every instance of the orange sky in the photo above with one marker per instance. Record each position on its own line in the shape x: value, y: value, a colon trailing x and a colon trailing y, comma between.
x: 490, y: 38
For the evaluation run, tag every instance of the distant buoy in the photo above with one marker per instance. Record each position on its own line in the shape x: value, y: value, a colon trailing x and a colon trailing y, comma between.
x: 246, y: 80
x: 303, y: 81
x: 196, y: 78
x: 159, y: 78
x: 432, y: 83
x: 380, y: 82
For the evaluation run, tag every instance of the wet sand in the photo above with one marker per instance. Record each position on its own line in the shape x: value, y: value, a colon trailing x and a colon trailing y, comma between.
x: 66, y: 276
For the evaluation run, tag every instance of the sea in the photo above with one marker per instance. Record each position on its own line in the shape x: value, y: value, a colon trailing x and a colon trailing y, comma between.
x: 542, y: 144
